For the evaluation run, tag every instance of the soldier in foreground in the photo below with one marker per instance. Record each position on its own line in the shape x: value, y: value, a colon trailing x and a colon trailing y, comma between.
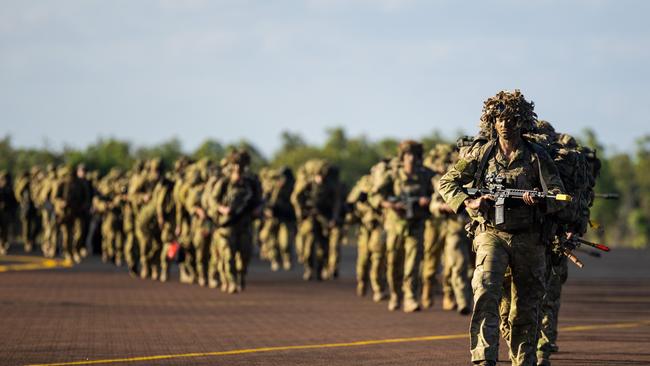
x: 509, y: 237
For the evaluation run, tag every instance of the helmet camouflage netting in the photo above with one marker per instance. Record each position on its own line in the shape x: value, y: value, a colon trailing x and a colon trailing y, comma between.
x: 508, y: 104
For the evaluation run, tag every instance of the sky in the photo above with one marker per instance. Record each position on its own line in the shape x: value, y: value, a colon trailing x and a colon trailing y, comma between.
x: 72, y: 71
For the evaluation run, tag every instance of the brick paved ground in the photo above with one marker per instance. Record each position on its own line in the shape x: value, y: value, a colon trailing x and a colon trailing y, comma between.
x: 97, y: 312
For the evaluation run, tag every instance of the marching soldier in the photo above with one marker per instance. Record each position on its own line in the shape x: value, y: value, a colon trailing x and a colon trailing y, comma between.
x: 236, y: 199
x: 405, y: 193
x: 514, y: 240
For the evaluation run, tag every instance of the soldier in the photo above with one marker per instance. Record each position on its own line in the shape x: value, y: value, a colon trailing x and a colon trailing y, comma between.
x: 69, y: 198
x: 278, y: 228
x: 129, y: 210
x: 216, y: 274
x: 405, y: 193
x: 370, y: 241
x: 200, y: 226
x: 571, y: 221
x: 163, y: 200
x: 44, y: 202
x: 336, y: 232
x: 236, y: 200
x: 191, y: 181
x: 451, y: 242
x: 28, y: 214
x: 7, y: 209
x: 107, y: 203
x: 314, y: 200
x: 146, y: 225
x: 517, y: 241
x: 82, y: 221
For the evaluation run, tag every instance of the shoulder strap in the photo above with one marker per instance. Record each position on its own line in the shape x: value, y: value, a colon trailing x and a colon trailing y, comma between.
x: 478, y: 175
x: 534, y: 149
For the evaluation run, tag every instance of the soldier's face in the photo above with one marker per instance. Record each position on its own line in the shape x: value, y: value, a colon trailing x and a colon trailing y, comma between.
x: 318, y: 179
x: 507, y: 128
x: 236, y: 172
x: 409, y: 160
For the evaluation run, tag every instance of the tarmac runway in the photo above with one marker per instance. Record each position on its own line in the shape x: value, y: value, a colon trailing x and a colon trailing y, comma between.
x: 95, y: 314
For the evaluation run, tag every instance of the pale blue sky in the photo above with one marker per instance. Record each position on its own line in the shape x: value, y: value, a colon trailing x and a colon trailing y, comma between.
x: 148, y: 70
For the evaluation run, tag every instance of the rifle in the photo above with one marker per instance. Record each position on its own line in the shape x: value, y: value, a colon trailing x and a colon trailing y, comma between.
x: 496, y: 189
x: 607, y: 196
x: 408, y: 201
x: 568, y: 245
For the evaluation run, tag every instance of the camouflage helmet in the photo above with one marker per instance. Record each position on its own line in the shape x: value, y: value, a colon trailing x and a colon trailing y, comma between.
x: 138, y: 165
x: 507, y: 104
x: 239, y: 157
x: 156, y: 165
x: 181, y: 163
x: 410, y: 147
x: 567, y: 140
x: 544, y: 127
x: 63, y: 171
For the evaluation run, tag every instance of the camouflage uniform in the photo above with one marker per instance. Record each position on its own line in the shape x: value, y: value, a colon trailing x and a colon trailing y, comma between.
x: 573, y: 168
x: 107, y: 203
x: 279, y: 227
x: 28, y: 214
x: 146, y: 225
x: 314, y: 200
x: 451, y: 238
x: 129, y: 210
x: 82, y: 220
x: 200, y: 227
x: 405, y: 235
x: 371, y: 244
x: 7, y: 210
x: 517, y: 243
x: 44, y: 202
x: 69, y: 198
x: 235, y: 199
x: 184, y: 211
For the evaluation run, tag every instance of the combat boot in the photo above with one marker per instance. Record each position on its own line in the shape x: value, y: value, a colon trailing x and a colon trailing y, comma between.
x: 286, y: 265
x: 163, y: 276
x: 393, y: 302
x: 427, y: 299
x: 448, y: 302
x: 154, y: 273
x: 307, y: 274
x: 201, y: 281
x: 28, y: 247
x: 83, y: 252
x: 144, y: 272
x: 410, y: 306
x: 378, y: 297
x: 232, y: 288
x: 275, y: 266
x: 76, y: 258
x: 484, y: 363
x: 118, y: 261
x: 361, y: 289
x: 212, y: 283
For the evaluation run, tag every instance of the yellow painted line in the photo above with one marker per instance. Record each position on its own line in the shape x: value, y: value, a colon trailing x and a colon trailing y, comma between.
x: 324, y: 346
x: 27, y: 263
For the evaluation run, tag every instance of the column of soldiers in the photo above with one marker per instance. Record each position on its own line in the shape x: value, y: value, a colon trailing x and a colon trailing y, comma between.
x: 411, y: 213
x: 52, y: 206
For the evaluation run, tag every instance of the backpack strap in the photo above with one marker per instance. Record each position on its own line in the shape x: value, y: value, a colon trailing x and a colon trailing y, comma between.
x: 478, y: 175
